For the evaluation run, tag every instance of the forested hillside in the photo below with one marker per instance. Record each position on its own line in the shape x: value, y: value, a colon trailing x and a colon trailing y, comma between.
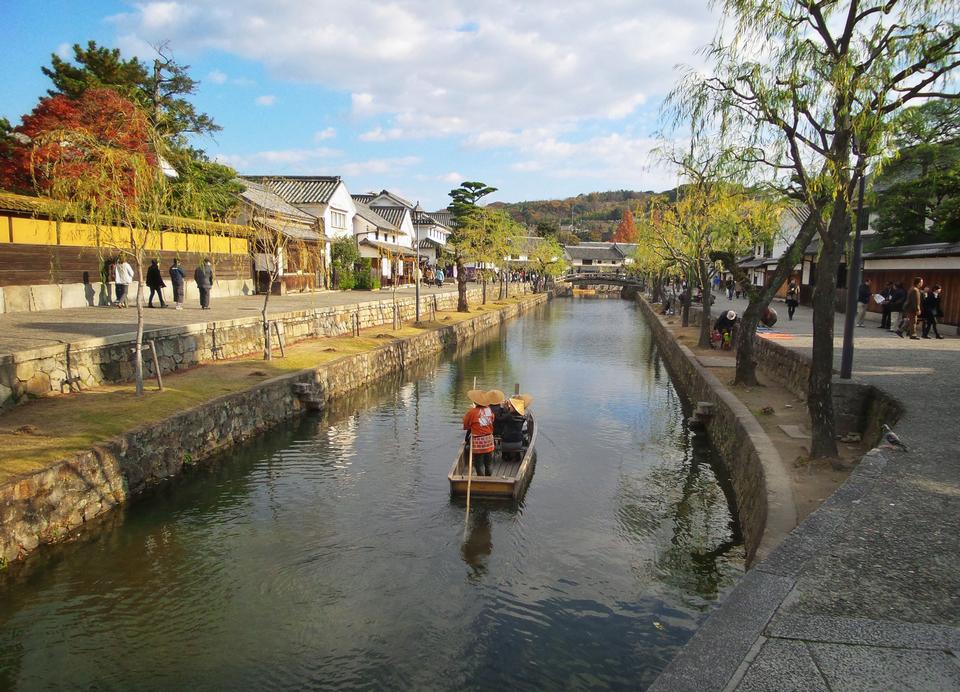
x: 593, y: 215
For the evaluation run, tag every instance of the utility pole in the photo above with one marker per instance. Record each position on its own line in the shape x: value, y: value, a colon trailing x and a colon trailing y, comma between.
x: 417, y: 212
x: 853, y: 285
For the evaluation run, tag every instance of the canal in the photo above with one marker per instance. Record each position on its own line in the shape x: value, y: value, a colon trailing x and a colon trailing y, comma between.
x: 329, y: 553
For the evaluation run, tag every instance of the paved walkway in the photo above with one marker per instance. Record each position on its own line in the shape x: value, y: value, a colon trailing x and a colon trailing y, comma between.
x: 865, y: 594
x: 23, y: 331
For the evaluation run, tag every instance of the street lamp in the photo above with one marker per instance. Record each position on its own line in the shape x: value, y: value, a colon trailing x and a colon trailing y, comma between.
x: 417, y: 211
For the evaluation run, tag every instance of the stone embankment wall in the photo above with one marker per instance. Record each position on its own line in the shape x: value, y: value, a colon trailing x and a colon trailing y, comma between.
x: 46, y: 506
x: 764, y: 499
x: 49, y: 370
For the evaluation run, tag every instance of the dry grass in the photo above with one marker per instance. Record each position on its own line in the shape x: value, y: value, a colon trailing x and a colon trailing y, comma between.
x: 46, y: 430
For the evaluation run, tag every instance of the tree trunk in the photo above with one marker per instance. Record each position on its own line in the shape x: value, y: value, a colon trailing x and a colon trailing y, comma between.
x: 657, y: 289
x: 704, y: 341
x: 138, y: 348
x: 461, y: 288
x: 820, y: 387
x: 483, y: 287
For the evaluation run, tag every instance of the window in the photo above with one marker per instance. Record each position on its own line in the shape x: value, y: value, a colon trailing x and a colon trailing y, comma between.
x: 377, y: 235
x: 338, y: 219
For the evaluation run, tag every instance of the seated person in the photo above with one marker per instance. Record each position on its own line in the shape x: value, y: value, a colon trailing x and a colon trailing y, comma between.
x: 496, y: 399
x: 512, y: 421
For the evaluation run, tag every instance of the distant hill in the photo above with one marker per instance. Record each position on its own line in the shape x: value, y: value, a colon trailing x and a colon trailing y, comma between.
x: 593, y: 215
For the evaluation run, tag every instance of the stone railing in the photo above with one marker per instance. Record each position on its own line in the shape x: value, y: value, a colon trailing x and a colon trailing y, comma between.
x: 50, y: 370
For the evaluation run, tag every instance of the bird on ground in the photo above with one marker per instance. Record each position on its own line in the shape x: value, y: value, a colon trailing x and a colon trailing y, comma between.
x: 892, y: 440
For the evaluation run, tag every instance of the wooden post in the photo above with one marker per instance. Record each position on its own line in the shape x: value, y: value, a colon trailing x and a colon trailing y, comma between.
x: 276, y: 330
x: 516, y: 388
x: 395, y: 317
x: 156, y: 363
x: 466, y: 519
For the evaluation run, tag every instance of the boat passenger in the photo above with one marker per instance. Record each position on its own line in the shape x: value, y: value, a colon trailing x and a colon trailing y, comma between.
x: 512, y: 421
x: 478, y: 422
x: 497, y: 398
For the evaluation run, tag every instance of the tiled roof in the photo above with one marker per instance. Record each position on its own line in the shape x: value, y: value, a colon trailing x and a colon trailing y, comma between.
x: 292, y: 230
x: 261, y: 196
x: 422, y: 218
x: 389, y: 247
x: 297, y: 189
x: 364, y: 197
x: 392, y: 214
x: 394, y: 198
x: 912, y: 251
x: 375, y: 218
x: 443, y: 216
x: 593, y: 251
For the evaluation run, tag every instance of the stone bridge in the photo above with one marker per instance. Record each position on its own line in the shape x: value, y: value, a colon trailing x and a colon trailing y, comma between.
x: 629, y: 283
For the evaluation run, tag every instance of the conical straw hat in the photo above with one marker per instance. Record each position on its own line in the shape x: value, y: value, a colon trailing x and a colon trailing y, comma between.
x: 518, y: 404
x: 495, y: 396
x: 526, y: 399
x: 478, y: 396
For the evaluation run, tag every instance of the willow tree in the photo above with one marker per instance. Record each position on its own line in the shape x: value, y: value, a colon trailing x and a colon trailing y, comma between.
x: 812, y: 88
x: 98, y: 158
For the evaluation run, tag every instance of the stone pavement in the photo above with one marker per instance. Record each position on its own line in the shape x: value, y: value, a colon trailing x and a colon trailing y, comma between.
x: 23, y: 331
x: 865, y: 593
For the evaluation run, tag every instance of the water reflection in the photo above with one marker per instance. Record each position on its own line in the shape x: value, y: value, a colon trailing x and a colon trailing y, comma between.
x: 329, y: 553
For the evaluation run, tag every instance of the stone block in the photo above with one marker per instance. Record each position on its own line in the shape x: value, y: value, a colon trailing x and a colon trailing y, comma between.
x: 16, y: 298
x: 873, y: 668
x: 79, y: 295
x: 38, y: 385
x: 45, y: 297
x: 782, y: 666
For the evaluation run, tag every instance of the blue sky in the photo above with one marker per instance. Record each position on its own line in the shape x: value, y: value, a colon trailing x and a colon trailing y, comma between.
x: 540, y: 99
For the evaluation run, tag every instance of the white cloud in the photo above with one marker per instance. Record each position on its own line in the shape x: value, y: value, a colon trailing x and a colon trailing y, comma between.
x: 379, y: 166
x: 279, y: 161
x: 65, y: 51
x: 378, y: 134
x: 324, y: 134
x: 266, y: 100
x: 546, y: 66
x: 454, y: 178
x: 217, y: 77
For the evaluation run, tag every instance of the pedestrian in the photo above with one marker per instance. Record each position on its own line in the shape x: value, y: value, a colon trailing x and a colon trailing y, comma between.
x: 729, y: 289
x: 911, y: 310
x: 930, y: 311
x: 177, y: 280
x: 793, y: 299
x: 155, y: 283
x: 863, y: 301
x: 122, y: 276
x: 887, y: 294
x: 897, y: 298
x: 204, y: 278
x: 736, y: 290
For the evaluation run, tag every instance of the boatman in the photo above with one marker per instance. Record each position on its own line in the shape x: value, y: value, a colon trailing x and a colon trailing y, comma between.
x: 478, y: 421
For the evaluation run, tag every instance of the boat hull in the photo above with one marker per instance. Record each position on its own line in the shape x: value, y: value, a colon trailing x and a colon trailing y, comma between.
x: 508, y: 481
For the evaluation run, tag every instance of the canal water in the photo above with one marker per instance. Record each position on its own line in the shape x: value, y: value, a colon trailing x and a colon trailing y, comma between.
x: 329, y: 554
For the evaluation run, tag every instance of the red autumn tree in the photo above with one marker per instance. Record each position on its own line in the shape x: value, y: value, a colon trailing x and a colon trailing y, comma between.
x: 626, y: 232
x: 64, y: 134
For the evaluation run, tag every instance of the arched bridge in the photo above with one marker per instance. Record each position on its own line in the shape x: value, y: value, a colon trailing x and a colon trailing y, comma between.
x: 598, y: 278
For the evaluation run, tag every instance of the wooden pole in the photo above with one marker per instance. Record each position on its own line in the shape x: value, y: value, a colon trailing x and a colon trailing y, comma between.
x: 156, y: 363
x: 276, y: 329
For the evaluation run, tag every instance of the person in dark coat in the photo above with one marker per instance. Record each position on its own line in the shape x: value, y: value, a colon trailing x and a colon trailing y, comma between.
x: 793, y: 299
x: 887, y: 294
x: 155, y: 284
x: 863, y: 301
x: 911, y: 310
x: 177, y: 280
x: 204, y: 278
x: 724, y: 326
x: 930, y: 311
x: 897, y: 298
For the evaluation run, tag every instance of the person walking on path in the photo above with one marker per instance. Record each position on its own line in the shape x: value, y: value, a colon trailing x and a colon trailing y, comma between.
x: 204, y: 278
x: 863, y: 301
x: 155, y: 284
x: 911, y: 310
x: 123, y: 276
x: 897, y: 298
x: 793, y: 299
x: 177, y: 280
x: 930, y: 311
x: 729, y: 289
x: 887, y: 294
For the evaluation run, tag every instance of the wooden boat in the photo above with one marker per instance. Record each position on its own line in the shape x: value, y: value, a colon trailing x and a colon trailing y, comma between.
x: 508, y: 479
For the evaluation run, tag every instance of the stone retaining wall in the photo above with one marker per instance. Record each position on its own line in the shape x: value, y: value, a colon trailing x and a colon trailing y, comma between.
x: 764, y: 499
x: 47, y: 371
x: 46, y: 506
